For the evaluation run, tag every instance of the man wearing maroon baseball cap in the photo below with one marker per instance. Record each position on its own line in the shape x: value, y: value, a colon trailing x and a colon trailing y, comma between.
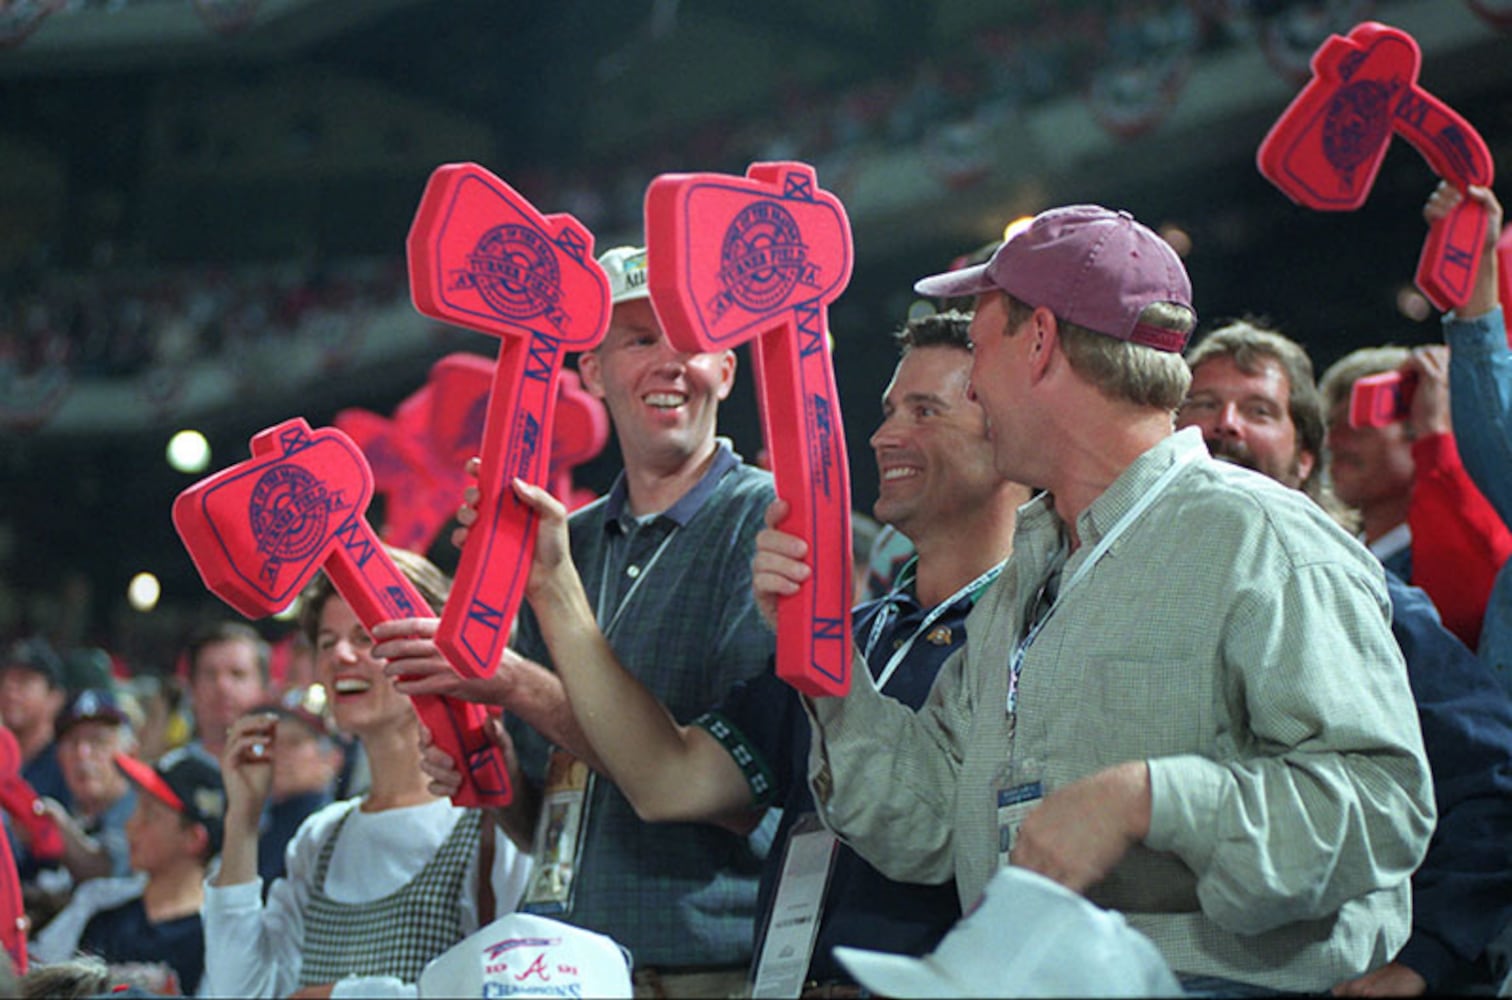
x: 1091, y: 267
x: 1181, y: 698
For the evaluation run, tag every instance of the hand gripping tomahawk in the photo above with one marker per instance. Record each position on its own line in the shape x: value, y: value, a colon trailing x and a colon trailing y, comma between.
x: 482, y: 257
x: 1327, y: 146
x: 258, y: 532
x: 759, y: 258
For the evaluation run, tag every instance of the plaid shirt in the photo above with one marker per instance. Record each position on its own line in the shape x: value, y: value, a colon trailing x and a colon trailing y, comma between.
x: 686, y: 625
x: 1237, y: 641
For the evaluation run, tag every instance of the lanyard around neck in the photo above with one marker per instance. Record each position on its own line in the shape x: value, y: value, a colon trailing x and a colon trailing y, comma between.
x: 645, y: 571
x: 1016, y: 664
x: 886, y: 614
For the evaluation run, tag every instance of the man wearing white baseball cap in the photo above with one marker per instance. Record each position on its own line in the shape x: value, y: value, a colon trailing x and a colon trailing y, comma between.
x: 664, y: 558
x: 1182, y: 698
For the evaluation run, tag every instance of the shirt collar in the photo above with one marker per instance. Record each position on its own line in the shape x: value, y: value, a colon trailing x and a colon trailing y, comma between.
x: 1105, y: 511
x: 681, y: 512
x: 1396, y: 540
x: 905, y: 583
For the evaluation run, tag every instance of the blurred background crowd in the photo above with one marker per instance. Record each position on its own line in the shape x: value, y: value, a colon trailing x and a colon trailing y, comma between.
x: 203, y: 208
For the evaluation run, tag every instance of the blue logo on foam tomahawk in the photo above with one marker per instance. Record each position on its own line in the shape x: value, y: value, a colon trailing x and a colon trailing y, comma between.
x: 762, y: 259
x: 514, y: 269
x: 1357, y: 122
x: 288, y: 512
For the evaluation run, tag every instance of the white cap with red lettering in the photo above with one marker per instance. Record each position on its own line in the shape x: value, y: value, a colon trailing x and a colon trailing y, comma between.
x: 521, y: 955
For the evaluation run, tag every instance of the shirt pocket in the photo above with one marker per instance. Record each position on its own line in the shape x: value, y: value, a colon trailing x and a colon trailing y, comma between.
x: 1150, y: 708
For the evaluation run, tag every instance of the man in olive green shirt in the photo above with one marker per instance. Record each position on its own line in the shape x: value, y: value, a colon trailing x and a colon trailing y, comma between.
x: 1182, y: 697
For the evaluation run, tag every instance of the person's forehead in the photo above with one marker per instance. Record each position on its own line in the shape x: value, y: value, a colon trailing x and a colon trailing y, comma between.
x: 290, y: 730
x: 1267, y: 373
x: 635, y: 316
x: 228, y: 651
x: 21, y: 672
x: 90, y: 731
x: 155, y: 808
x: 336, y: 611
x: 935, y: 369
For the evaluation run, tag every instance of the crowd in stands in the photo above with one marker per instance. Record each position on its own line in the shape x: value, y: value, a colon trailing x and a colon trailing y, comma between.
x: 1290, y: 770
x: 1155, y: 622
x: 114, y: 322
x: 119, y: 321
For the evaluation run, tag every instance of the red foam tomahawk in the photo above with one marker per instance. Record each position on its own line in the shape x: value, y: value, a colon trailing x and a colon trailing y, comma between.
x: 418, y: 456
x: 759, y: 258
x: 482, y: 257
x: 46, y: 844
x: 1327, y: 146
x: 259, y: 531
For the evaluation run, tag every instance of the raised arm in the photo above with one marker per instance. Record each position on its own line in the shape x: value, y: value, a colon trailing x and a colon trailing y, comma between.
x: 519, y: 685
x: 668, y: 771
x: 1480, y: 365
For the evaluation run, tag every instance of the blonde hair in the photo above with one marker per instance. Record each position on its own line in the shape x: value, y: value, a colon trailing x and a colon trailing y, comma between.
x: 1339, y: 380
x: 1121, y: 369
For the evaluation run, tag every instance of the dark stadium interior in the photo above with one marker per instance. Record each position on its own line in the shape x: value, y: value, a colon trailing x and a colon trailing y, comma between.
x: 146, y: 146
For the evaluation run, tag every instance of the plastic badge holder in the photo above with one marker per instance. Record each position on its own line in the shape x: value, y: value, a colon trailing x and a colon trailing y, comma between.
x: 759, y: 259
x: 1378, y: 400
x: 482, y: 257
x: 1326, y: 148
x: 260, y: 530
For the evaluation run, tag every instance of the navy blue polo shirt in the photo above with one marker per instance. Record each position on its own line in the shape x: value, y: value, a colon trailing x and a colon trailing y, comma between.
x: 124, y: 934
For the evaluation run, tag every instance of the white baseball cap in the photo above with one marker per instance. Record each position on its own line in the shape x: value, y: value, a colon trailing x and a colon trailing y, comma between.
x: 522, y: 955
x: 626, y: 269
x: 1027, y: 936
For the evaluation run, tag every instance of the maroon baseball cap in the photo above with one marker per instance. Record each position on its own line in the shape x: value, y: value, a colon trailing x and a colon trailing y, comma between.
x: 1088, y: 265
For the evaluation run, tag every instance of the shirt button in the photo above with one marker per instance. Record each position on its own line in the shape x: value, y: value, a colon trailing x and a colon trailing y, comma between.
x: 632, y: 572
x: 823, y: 785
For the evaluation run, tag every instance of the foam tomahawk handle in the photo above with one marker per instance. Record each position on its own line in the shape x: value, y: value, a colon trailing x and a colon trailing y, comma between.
x: 1326, y: 148
x: 24, y: 806
x: 759, y: 258
x: 481, y: 256
x: 21, y: 803
x: 260, y: 530
x: 13, y: 919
